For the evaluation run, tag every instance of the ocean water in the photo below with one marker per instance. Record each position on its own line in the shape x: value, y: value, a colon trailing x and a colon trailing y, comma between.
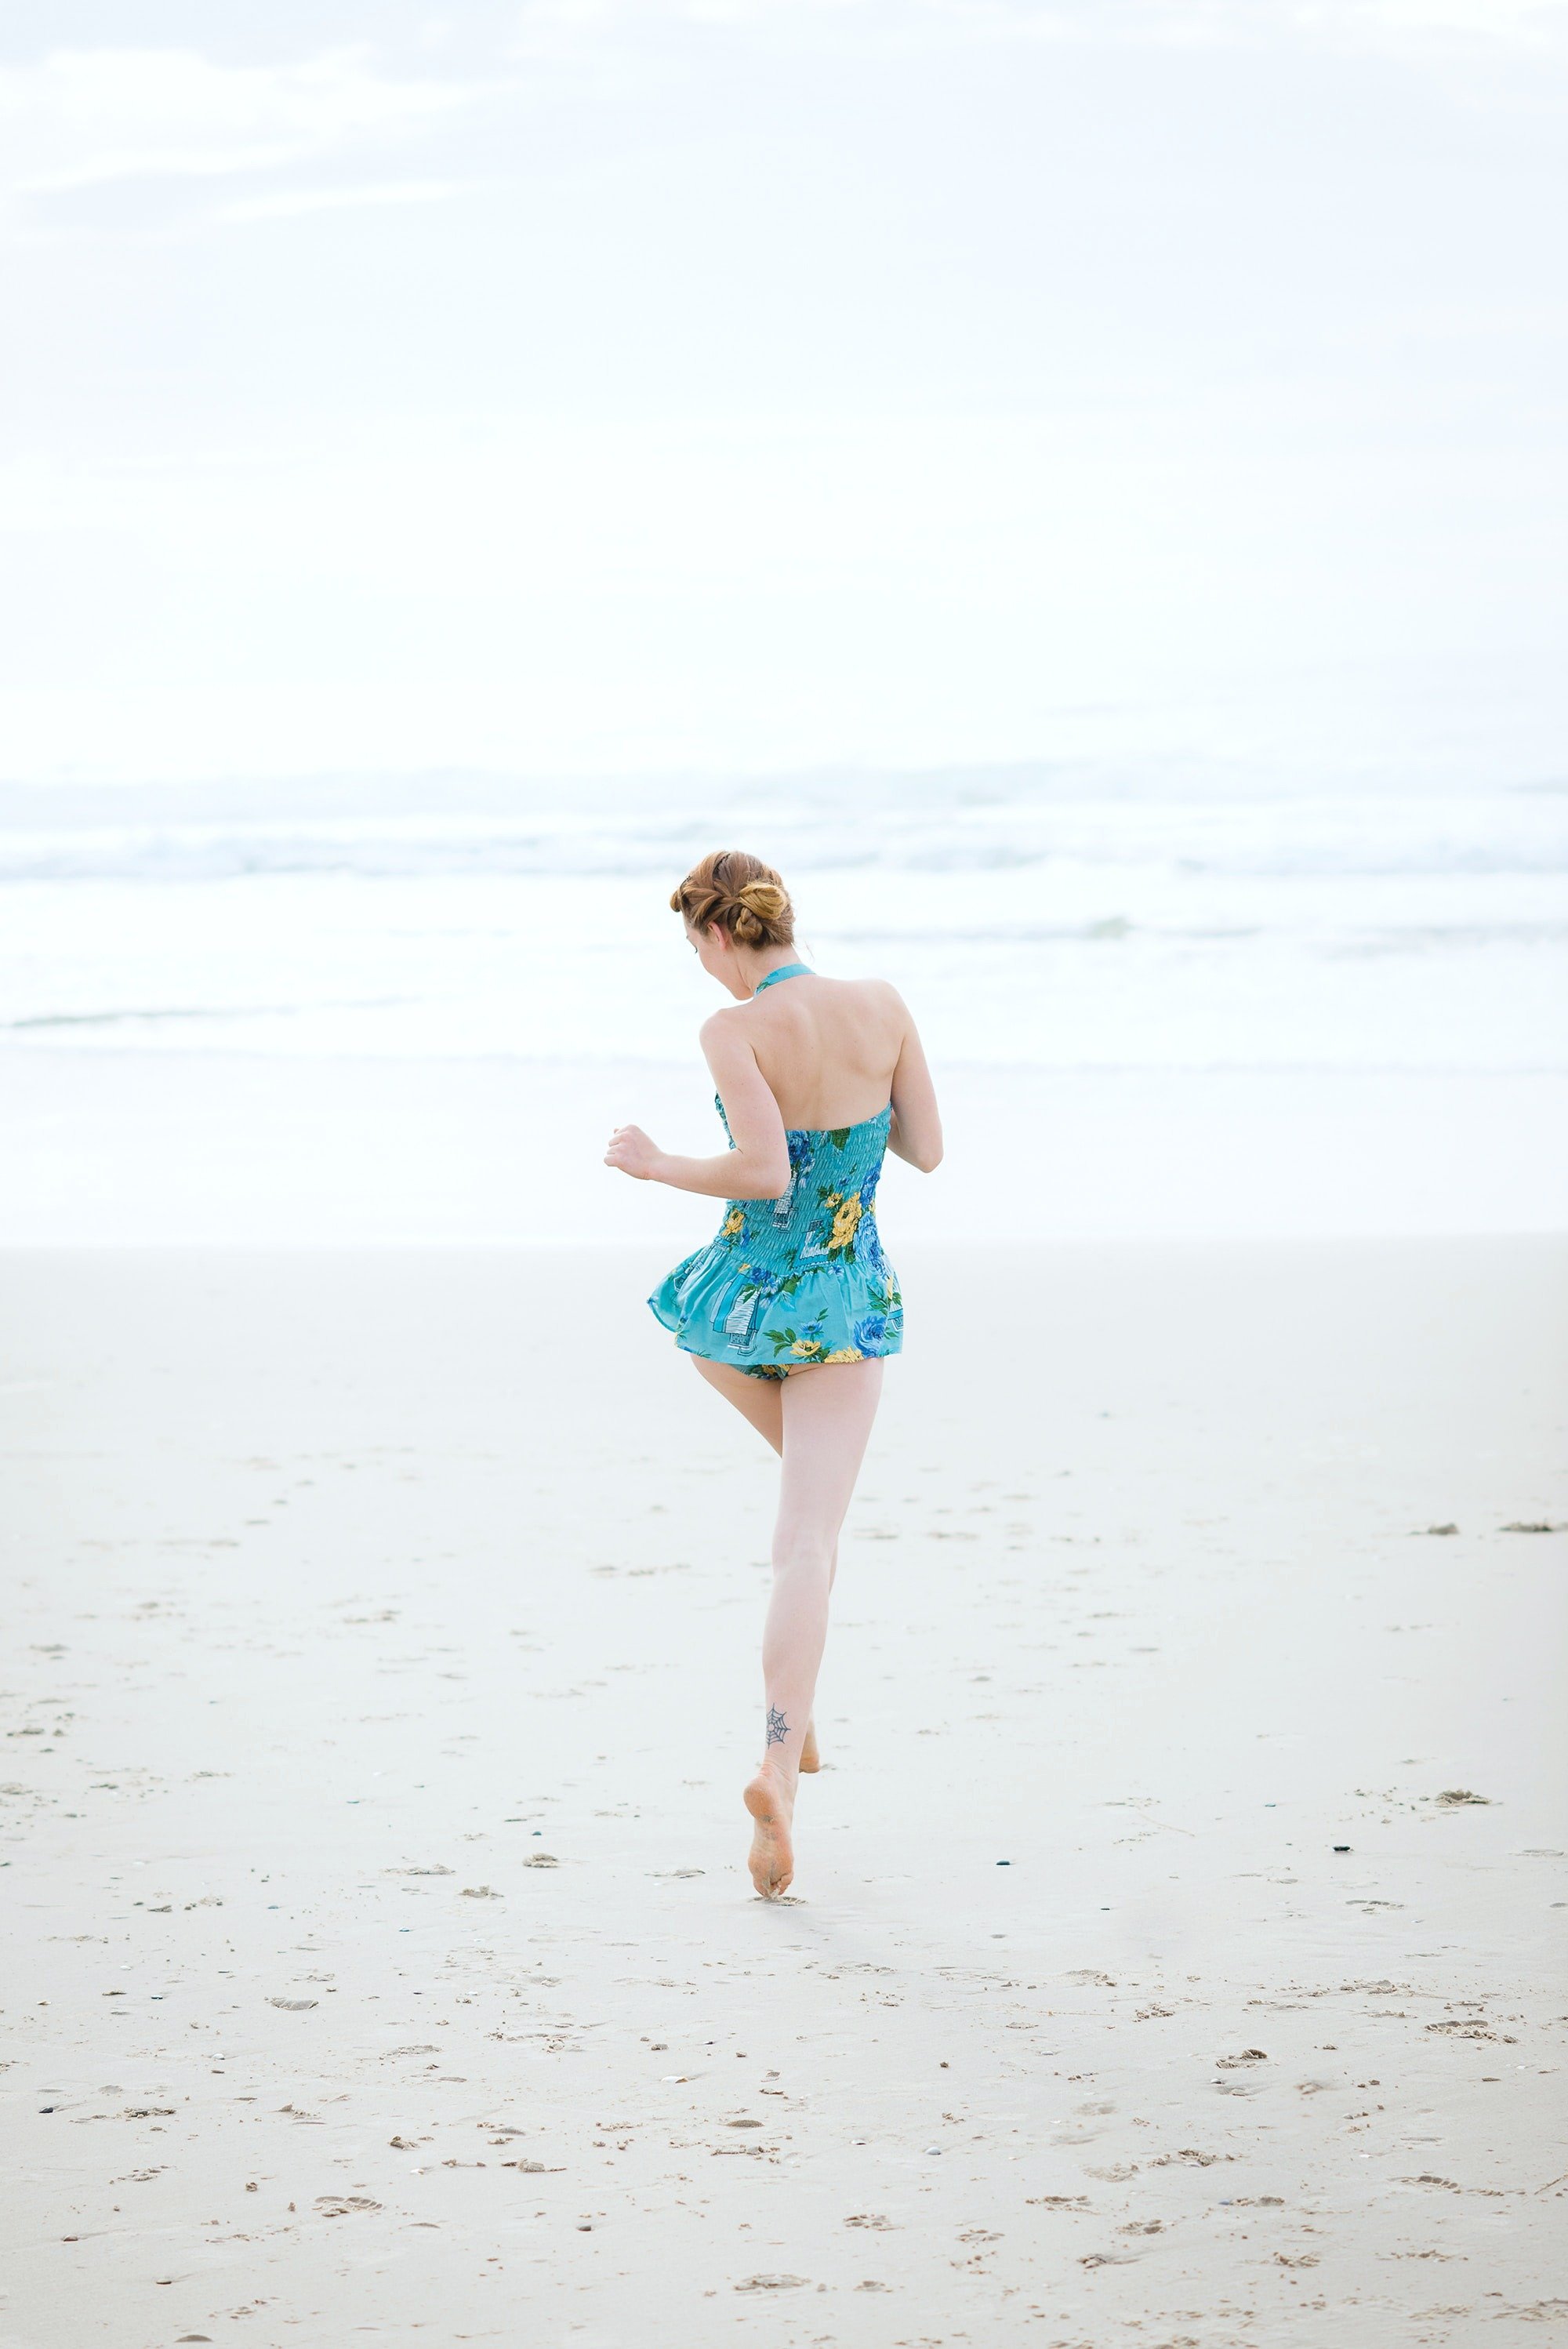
x: 1032, y: 923
x: 1169, y: 940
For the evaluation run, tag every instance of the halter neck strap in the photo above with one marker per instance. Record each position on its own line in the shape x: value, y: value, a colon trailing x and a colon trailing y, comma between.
x: 785, y: 970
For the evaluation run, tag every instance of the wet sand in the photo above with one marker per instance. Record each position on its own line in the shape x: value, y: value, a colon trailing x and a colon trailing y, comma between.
x: 381, y: 1961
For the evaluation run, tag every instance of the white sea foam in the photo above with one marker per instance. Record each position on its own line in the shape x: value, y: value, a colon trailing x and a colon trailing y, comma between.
x: 1032, y: 922
x: 1180, y: 1008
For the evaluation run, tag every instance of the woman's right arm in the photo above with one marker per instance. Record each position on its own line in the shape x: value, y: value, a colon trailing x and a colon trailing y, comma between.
x: 756, y: 1167
x: 915, y: 1132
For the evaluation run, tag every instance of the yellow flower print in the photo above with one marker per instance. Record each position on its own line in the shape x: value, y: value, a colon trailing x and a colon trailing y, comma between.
x: 846, y: 1216
x: 844, y: 1354
x: 733, y: 1223
x: 807, y: 1346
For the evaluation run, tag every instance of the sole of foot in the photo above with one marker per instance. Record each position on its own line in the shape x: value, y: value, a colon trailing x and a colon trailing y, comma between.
x: 772, y: 1854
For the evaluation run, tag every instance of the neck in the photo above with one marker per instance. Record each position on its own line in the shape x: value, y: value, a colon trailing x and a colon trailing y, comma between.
x: 753, y: 964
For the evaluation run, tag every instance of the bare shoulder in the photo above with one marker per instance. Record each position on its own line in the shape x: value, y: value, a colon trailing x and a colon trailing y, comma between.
x: 727, y: 1041
x: 881, y: 999
x: 724, y: 1030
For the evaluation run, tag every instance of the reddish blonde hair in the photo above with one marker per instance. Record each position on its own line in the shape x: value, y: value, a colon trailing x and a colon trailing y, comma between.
x: 741, y: 895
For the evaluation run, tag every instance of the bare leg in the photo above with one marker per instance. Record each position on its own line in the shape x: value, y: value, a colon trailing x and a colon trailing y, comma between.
x: 827, y: 1421
x: 761, y: 1402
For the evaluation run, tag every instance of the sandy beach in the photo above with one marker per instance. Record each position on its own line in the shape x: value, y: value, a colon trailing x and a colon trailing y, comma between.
x: 1176, y: 1956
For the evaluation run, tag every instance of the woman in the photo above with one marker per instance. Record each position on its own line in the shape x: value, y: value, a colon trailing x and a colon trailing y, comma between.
x: 792, y: 1309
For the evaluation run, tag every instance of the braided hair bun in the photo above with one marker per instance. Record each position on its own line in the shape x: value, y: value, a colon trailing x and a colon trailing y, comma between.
x: 741, y: 895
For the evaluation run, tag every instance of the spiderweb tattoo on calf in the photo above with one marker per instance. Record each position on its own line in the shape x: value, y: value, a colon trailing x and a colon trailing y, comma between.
x: 778, y: 1727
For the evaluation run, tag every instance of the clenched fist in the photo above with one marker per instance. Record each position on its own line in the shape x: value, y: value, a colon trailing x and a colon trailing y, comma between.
x: 632, y: 1153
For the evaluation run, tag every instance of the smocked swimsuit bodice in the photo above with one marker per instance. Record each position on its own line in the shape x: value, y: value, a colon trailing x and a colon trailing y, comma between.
x: 801, y: 1279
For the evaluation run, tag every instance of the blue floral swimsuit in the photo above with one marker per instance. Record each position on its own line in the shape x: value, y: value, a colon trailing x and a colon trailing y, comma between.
x: 801, y: 1279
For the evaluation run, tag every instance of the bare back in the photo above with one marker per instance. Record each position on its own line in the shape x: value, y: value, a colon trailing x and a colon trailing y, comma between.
x: 828, y: 1049
x: 814, y: 1054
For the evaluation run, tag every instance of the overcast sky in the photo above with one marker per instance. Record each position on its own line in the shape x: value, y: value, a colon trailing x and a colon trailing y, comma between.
x: 634, y: 384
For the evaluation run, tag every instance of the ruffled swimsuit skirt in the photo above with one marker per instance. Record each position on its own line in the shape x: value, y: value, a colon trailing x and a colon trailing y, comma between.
x: 791, y: 1282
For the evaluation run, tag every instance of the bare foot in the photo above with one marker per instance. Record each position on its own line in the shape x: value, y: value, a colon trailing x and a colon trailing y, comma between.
x: 811, y: 1759
x: 771, y: 1804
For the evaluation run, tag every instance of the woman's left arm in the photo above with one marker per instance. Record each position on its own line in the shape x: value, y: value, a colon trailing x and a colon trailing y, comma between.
x: 758, y: 1166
